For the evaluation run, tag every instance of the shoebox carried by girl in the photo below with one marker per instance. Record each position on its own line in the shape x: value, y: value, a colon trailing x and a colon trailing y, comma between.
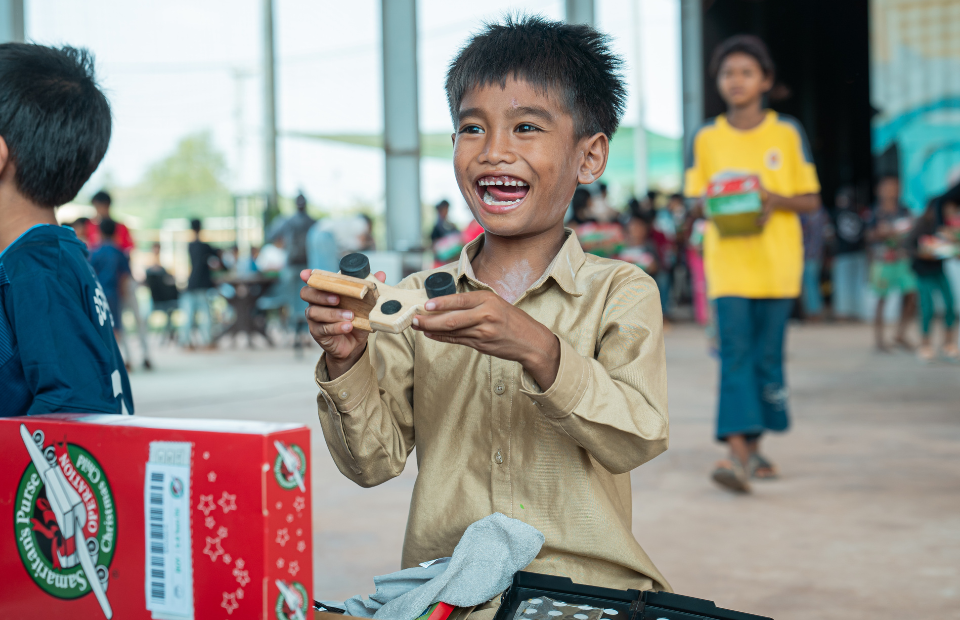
x: 733, y: 204
x: 106, y: 516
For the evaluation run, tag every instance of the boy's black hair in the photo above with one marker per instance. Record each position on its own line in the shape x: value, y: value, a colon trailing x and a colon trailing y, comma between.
x: 743, y: 44
x: 54, y: 119
x: 443, y: 204
x: 107, y: 228
x: 102, y: 197
x: 572, y: 61
x: 581, y: 200
x: 196, y: 225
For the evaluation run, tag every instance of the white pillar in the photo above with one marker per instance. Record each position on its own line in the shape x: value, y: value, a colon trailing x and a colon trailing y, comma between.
x: 691, y: 59
x: 580, y: 12
x: 11, y: 21
x: 401, y: 124
x: 269, y: 112
x: 640, y: 183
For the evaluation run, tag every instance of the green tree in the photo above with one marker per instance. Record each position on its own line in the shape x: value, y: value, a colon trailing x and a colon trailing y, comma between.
x: 187, y: 183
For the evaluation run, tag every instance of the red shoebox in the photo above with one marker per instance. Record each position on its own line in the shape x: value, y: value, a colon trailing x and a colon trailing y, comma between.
x: 105, y: 516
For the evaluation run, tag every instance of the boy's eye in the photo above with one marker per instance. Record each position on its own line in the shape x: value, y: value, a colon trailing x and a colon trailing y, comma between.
x: 471, y: 129
x: 526, y: 128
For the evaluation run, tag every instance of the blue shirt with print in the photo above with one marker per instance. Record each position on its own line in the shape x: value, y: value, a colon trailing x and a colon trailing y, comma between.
x: 57, y: 349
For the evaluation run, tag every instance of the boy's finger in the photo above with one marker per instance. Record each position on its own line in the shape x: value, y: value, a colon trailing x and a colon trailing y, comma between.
x: 381, y: 276
x: 324, y: 314
x: 319, y: 298
x: 460, y: 301
x: 446, y: 322
x: 304, y: 275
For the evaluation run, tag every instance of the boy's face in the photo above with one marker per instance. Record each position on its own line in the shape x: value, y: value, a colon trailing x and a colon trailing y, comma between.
x: 517, y: 158
x: 888, y: 193
x: 741, y: 80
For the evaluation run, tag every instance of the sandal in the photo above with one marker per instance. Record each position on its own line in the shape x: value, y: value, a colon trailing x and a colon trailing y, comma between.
x: 926, y: 354
x: 951, y: 353
x: 757, y: 463
x: 731, y: 475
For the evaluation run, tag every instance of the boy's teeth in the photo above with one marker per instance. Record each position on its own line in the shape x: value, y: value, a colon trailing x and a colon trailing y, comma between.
x: 494, y: 181
x: 490, y: 200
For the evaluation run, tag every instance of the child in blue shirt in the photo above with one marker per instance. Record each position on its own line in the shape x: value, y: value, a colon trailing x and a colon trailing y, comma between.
x: 57, y: 348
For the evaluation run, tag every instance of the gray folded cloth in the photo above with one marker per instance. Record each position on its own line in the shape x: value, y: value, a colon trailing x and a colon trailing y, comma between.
x: 483, y: 564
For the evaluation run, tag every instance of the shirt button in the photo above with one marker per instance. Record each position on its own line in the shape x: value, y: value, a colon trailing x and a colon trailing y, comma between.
x: 499, y: 388
x: 498, y: 458
x: 344, y: 395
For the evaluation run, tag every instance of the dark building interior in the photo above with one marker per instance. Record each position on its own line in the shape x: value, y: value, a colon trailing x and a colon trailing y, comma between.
x: 822, y: 54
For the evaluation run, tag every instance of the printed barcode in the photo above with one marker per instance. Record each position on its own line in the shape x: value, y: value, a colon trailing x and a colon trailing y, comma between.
x: 158, y: 590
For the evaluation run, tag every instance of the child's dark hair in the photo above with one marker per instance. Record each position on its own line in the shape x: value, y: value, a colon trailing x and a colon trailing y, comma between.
x: 196, y: 225
x: 101, y: 197
x: 54, y: 119
x: 742, y: 44
x: 573, y: 61
x: 108, y: 228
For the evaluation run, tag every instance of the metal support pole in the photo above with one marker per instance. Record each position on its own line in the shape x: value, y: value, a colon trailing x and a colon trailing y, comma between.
x: 691, y: 59
x: 640, y: 131
x: 580, y: 12
x: 11, y: 21
x: 401, y: 124
x: 269, y: 115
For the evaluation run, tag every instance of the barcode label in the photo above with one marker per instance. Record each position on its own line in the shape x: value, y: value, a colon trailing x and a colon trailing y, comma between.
x: 169, y: 569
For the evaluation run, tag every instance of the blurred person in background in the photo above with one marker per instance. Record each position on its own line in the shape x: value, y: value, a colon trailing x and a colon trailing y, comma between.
x: 367, y: 242
x: 849, y: 277
x: 753, y: 279
x: 294, y: 231
x: 935, y: 238
x: 445, y: 238
x: 79, y: 227
x: 113, y: 270
x: 664, y: 235
x: 887, y: 231
x: 692, y: 234
x: 123, y: 240
x: 322, y: 249
x: 639, y: 249
x: 163, y: 290
x: 203, y: 260
x: 581, y: 207
x: 600, y: 205
x: 814, y: 229
x: 102, y: 202
x: 443, y: 226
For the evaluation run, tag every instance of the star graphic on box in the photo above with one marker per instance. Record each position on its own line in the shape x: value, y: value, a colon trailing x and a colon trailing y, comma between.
x: 240, y: 563
x: 222, y: 532
x: 279, y: 505
x: 227, y: 502
x: 299, y: 503
x: 206, y: 505
x: 242, y: 576
x: 293, y: 568
x: 206, y: 455
x: 213, y: 548
x: 299, y: 531
x: 212, y: 476
x: 227, y: 559
x: 301, y: 546
x: 290, y: 518
x: 240, y: 593
x: 209, y: 522
x: 229, y: 602
x: 280, y: 563
x: 282, y: 537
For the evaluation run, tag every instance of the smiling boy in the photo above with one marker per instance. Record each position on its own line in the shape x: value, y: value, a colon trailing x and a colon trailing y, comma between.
x: 542, y: 384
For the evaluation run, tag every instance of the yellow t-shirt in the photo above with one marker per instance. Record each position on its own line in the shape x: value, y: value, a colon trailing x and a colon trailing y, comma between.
x: 769, y: 264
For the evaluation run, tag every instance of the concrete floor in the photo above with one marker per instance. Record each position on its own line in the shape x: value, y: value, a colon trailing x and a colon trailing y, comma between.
x: 865, y: 522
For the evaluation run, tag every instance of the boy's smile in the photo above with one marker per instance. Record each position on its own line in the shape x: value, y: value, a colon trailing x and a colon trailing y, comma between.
x: 517, y: 158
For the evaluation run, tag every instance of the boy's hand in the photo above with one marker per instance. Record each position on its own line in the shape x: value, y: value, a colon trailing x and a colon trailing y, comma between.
x: 482, y: 320
x: 331, y: 328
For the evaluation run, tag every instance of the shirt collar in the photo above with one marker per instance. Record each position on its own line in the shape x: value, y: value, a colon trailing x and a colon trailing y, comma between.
x: 22, y: 235
x: 563, y: 268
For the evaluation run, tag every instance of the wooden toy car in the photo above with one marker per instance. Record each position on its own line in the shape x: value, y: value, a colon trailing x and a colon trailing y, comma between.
x: 375, y: 305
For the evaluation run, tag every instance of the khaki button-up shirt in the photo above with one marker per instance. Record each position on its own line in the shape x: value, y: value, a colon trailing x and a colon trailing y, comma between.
x: 489, y: 439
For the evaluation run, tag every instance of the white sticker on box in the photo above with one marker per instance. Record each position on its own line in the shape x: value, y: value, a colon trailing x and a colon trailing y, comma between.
x: 169, y: 566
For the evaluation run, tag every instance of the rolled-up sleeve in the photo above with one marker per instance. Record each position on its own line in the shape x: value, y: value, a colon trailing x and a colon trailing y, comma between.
x: 614, y: 405
x: 366, y: 414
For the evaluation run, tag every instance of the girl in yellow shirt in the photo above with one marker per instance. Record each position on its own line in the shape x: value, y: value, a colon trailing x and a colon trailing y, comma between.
x: 753, y: 279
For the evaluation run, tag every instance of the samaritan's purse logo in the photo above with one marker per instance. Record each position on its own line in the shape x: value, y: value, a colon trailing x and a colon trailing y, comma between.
x: 290, y: 466
x: 65, y: 520
x: 292, y: 601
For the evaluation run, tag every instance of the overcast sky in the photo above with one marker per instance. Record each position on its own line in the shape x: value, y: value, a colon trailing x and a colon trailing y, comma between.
x: 182, y: 66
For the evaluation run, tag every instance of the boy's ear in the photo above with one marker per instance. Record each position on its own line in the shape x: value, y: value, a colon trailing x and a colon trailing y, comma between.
x: 593, y: 159
x: 4, y: 155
